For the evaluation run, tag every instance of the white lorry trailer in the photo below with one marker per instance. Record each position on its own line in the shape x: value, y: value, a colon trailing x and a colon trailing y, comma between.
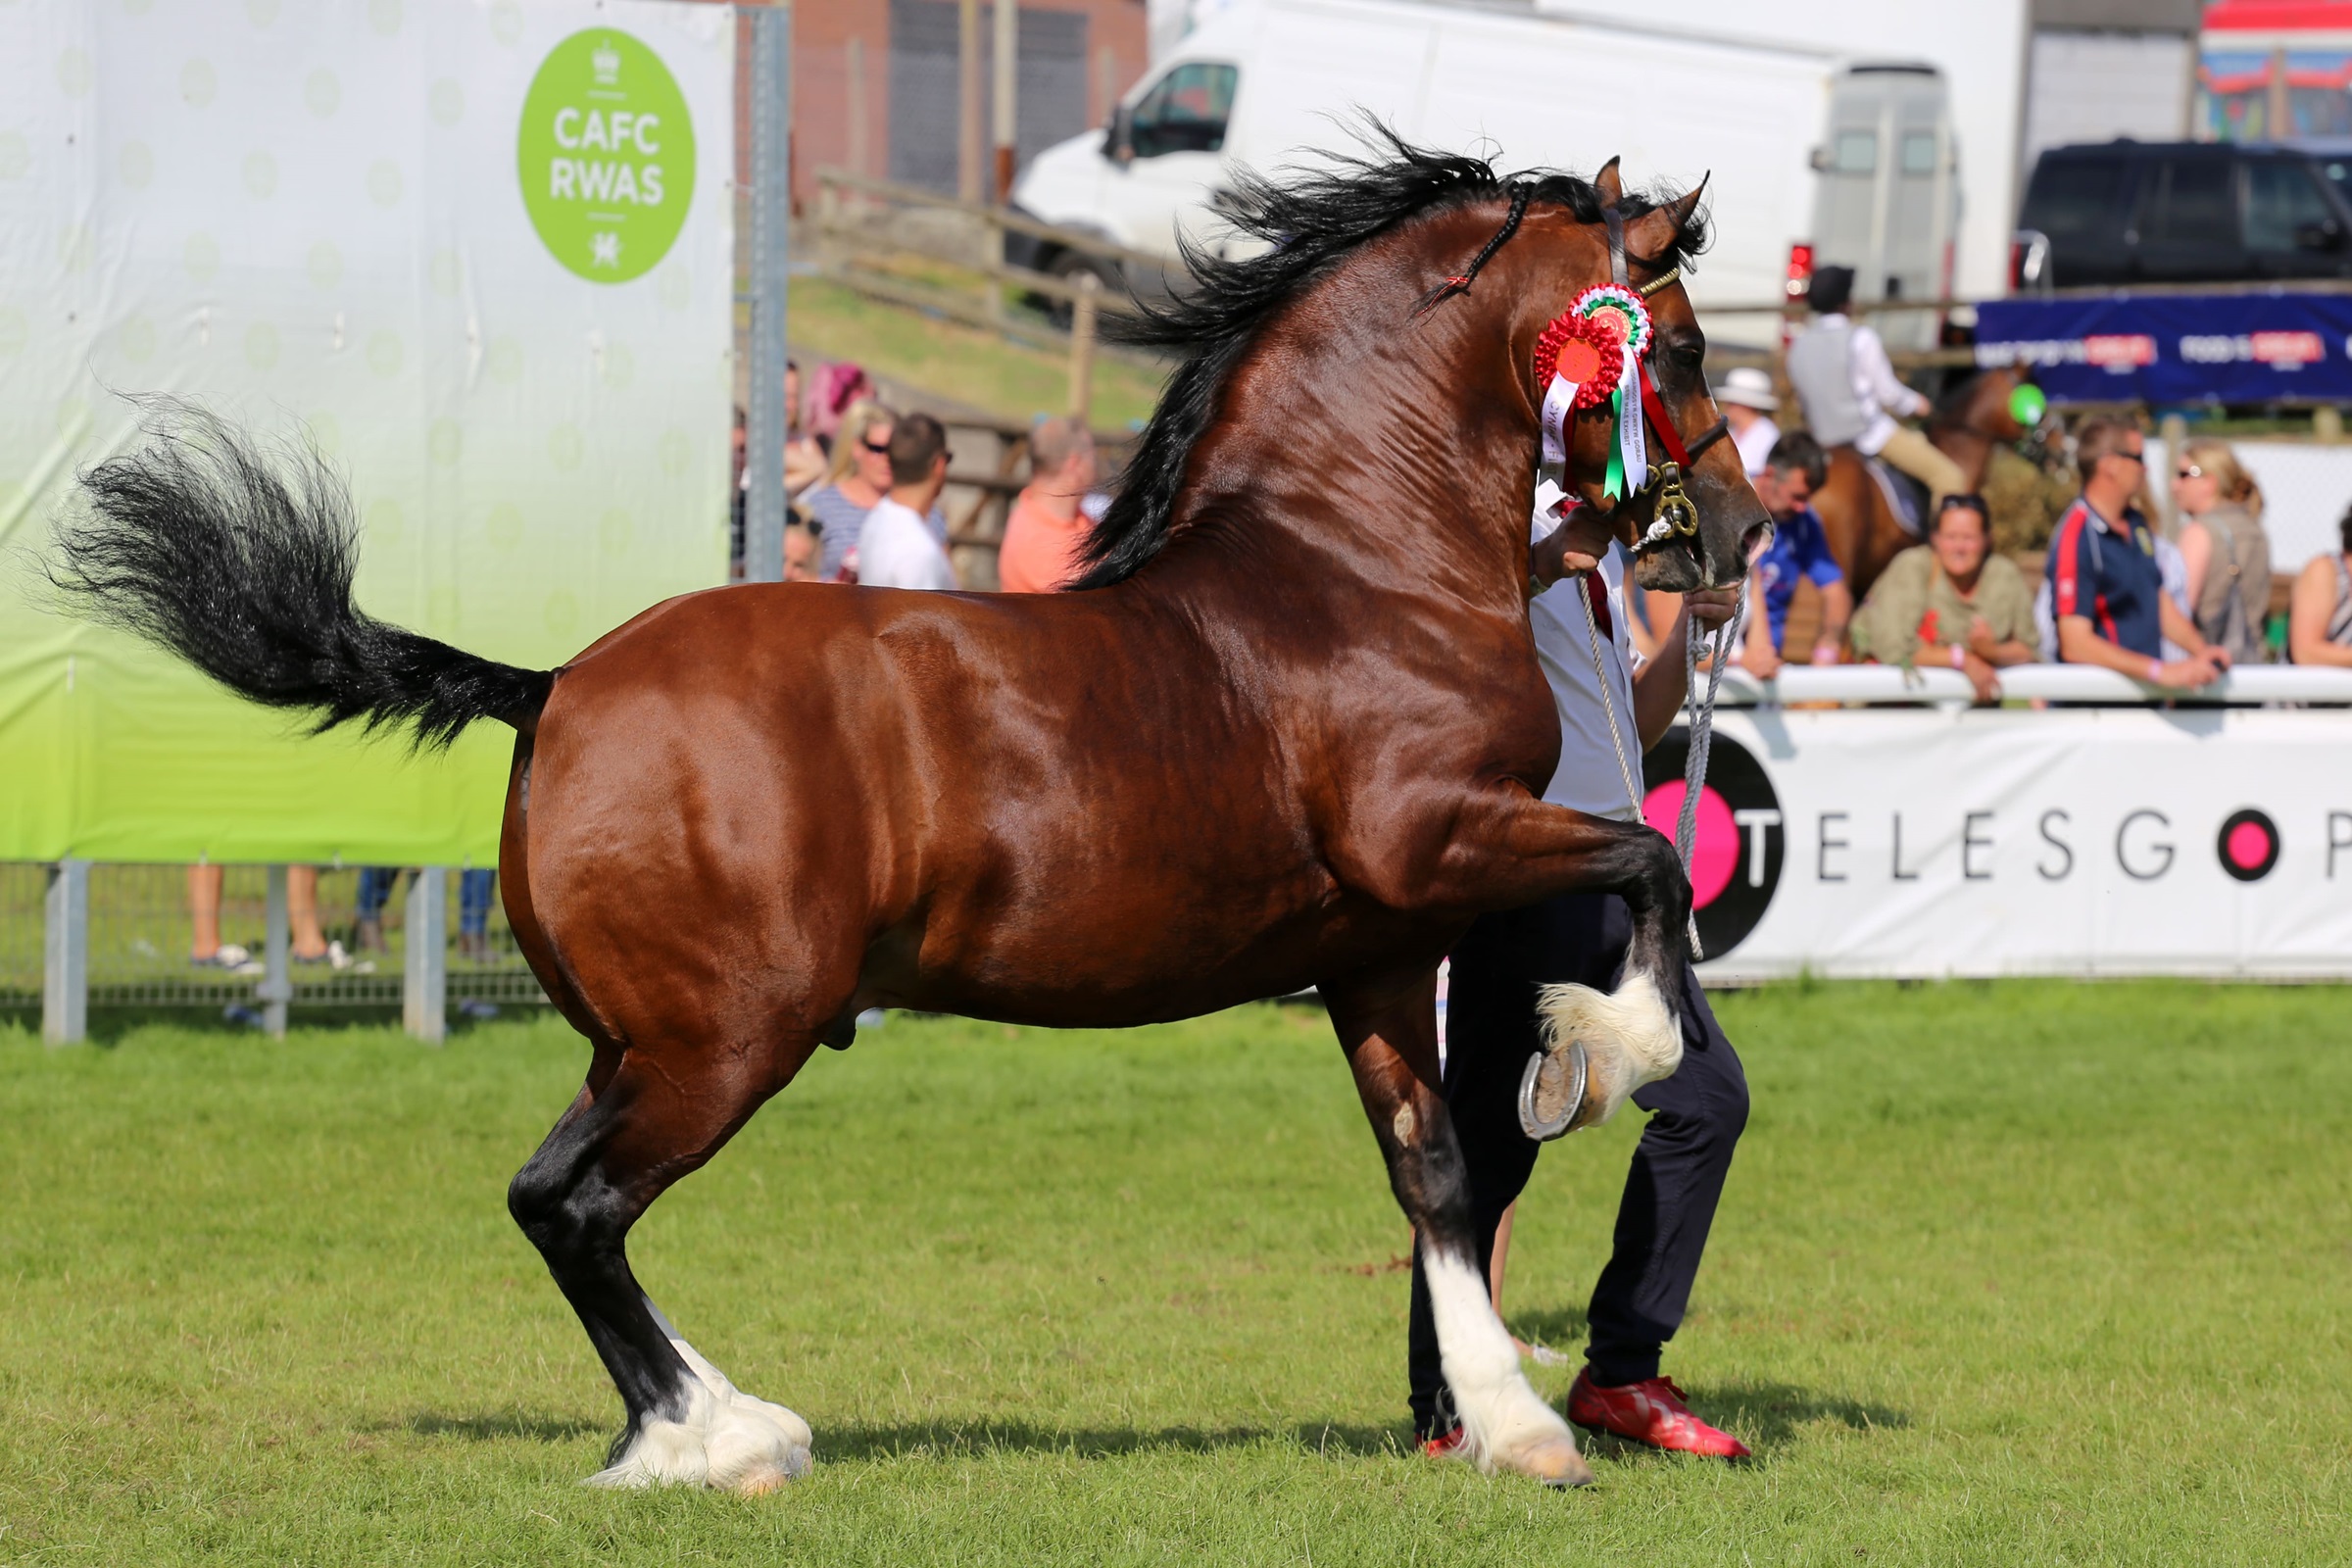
x: 1812, y: 158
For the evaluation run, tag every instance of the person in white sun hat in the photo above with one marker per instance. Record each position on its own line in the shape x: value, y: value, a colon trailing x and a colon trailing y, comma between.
x: 1748, y: 401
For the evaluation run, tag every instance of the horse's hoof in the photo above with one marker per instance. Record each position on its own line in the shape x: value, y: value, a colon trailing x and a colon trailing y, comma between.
x: 761, y: 1479
x: 1553, y: 1461
x: 1552, y: 1092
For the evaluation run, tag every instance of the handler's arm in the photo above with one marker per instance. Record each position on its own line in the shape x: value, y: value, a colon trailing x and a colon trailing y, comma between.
x: 1660, y: 685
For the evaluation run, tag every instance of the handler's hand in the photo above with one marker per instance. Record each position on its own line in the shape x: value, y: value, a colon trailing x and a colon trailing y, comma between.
x: 1576, y: 545
x: 1711, y: 607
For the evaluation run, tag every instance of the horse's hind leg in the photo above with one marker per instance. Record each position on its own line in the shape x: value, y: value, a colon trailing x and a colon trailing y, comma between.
x: 1389, y: 1028
x: 616, y: 1149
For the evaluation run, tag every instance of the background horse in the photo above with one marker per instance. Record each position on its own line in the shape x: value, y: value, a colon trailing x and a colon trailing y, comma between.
x: 1291, y: 733
x: 1864, y: 532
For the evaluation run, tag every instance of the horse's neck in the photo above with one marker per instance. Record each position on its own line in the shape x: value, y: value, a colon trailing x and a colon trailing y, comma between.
x: 1380, y: 496
x: 1970, y: 448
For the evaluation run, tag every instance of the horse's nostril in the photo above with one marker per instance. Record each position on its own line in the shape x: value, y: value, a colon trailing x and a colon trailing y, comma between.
x: 1755, y: 541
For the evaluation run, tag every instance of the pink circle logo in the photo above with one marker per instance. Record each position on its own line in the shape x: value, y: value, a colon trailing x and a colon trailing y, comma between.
x: 2248, y: 844
x: 1714, y: 844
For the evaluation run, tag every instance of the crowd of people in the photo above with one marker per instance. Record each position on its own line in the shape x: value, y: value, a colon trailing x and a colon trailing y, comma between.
x: 863, y: 483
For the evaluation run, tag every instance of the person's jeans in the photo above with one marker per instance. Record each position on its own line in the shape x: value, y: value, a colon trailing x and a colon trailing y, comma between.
x: 375, y: 890
x: 474, y: 890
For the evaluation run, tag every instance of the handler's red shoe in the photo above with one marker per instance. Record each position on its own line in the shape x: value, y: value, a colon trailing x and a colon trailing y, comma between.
x: 1454, y: 1445
x: 1651, y: 1411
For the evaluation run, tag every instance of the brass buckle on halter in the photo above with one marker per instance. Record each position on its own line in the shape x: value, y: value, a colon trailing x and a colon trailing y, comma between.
x: 1675, y: 508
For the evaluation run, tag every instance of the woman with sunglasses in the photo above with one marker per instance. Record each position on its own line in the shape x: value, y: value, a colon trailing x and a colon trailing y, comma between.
x: 854, y: 483
x: 2223, y: 549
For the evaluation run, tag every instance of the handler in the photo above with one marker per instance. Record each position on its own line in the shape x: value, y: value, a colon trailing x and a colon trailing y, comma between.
x: 1492, y: 1029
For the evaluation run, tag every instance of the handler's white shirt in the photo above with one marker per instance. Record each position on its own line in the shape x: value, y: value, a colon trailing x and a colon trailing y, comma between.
x: 894, y: 550
x: 1588, y: 778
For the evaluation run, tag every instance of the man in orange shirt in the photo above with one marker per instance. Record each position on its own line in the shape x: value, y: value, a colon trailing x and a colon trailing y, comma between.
x: 1046, y: 528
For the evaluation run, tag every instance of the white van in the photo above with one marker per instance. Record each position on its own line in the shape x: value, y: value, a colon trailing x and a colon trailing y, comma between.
x: 1266, y: 82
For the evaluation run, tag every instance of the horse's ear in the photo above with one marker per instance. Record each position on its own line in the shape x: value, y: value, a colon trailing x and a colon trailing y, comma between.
x: 1610, y: 186
x: 1683, y: 206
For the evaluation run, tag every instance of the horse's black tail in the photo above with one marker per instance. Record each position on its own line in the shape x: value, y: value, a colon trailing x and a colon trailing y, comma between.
x: 200, y: 545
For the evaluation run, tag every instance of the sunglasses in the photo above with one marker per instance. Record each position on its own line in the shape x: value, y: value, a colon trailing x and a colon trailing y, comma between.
x: 2140, y: 458
x: 879, y: 451
x: 2191, y: 471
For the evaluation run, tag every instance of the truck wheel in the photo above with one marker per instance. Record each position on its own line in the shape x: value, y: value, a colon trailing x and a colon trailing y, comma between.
x: 1066, y: 265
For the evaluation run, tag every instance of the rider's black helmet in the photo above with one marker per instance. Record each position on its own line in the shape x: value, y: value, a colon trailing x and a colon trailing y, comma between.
x: 1829, y: 289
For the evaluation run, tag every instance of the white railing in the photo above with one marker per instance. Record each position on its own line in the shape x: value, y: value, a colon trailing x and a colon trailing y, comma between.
x: 2057, y: 683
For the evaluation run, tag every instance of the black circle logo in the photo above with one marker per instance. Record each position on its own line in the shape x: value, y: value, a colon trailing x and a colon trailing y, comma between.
x: 1739, y: 847
x: 2248, y: 844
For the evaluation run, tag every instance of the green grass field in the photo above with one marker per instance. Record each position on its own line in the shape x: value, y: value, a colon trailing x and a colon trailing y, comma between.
x: 2033, y: 1273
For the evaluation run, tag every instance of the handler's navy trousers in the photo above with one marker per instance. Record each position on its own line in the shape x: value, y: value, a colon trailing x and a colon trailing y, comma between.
x: 1678, y: 1168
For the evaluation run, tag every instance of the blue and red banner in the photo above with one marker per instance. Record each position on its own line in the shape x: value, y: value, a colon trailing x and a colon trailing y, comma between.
x: 2175, y: 348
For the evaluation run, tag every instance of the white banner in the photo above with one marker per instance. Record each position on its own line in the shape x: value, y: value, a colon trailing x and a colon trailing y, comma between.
x: 479, y: 252
x: 1928, y: 843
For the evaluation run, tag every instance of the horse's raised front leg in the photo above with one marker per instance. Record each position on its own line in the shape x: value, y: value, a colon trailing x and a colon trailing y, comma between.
x: 615, y: 1151
x: 1514, y: 850
x: 1389, y: 1027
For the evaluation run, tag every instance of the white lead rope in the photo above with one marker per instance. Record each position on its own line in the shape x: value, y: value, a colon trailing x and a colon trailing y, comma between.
x: 1701, y: 720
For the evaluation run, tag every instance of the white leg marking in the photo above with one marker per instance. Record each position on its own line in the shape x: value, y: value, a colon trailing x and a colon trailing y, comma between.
x: 728, y: 1438
x: 1504, y: 1421
x: 1630, y: 1039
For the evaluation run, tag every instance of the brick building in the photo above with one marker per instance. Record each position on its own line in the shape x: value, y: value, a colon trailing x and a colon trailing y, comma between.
x: 875, y: 83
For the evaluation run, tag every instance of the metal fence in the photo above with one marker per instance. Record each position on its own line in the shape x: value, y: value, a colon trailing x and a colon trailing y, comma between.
x: 137, y: 931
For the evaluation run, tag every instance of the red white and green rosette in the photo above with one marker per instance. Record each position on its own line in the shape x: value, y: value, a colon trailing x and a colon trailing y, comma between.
x: 1589, y: 354
x: 1618, y: 311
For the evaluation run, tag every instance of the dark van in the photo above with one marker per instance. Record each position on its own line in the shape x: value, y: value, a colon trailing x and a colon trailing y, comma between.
x: 2129, y: 212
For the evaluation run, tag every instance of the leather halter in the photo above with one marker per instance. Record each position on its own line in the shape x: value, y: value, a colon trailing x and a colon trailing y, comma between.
x: 1665, y: 480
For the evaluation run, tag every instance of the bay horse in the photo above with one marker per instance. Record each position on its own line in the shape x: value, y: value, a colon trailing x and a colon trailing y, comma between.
x: 1862, y: 528
x: 1289, y: 731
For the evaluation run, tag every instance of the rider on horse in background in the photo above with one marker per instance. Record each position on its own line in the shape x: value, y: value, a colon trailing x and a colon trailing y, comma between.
x: 1849, y: 390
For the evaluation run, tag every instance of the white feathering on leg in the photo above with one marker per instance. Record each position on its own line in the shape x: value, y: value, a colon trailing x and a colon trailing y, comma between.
x: 1503, y: 1422
x: 1629, y: 1035
x: 729, y: 1439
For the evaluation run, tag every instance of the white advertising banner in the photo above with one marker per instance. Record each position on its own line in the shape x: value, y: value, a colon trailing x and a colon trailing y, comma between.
x: 479, y: 252
x: 1928, y: 843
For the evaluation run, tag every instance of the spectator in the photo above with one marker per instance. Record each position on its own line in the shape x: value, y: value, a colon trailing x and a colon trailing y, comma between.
x: 475, y: 890
x: 1799, y: 550
x: 856, y: 481
x: 375, y: 891
x: 2106, y: 588
x: 1951, y: 601
x: 1046, y: 528
x: 1747, y: 399
x: 1851, y: 394
x: 803, y: 553
x: 739, y: 493
x: 2319, y: 623
x: 833, y: 392
x: 2226, y: 554
x: 896, y: 548
x: 804, y: 455
x: 307, y: 941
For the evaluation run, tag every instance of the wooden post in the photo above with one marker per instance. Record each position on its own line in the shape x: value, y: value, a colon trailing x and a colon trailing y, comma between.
x: 858, y: 127
x: 1008, y: 86
x: 967, y: 106
x: 424, y: 973
x: 2328, y: 424
x: 1082, y: 345
x: 277, y: 989
x: 66, y: 954
x: 2173, y: 432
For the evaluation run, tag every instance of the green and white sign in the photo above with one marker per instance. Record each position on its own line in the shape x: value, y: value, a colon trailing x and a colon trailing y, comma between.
x: 606, y: 155
x: 305, y: 218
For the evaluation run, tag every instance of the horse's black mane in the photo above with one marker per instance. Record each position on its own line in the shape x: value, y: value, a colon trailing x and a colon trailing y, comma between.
x: 1310, y: 223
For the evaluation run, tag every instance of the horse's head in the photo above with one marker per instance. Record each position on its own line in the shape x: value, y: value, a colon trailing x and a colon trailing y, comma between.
x: 1730, y: 519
